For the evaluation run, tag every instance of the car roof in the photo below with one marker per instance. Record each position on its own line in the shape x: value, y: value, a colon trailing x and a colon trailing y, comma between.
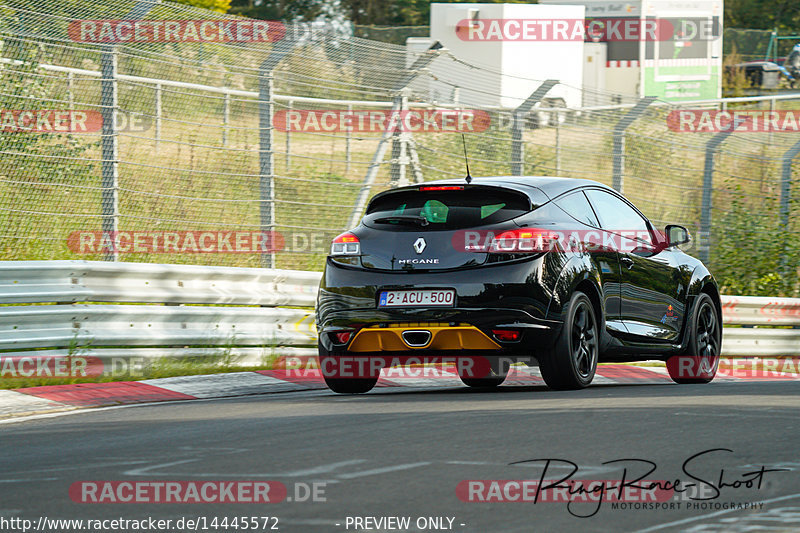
x: 551, y: 186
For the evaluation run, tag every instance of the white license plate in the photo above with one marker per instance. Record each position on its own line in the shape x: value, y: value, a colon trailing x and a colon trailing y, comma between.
x: 421, y: 298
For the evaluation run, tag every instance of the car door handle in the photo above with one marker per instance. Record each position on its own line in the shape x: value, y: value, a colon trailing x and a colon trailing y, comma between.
x: 627, y: 261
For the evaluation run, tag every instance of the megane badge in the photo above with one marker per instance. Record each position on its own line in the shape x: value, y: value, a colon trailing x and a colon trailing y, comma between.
x: 419, y: 245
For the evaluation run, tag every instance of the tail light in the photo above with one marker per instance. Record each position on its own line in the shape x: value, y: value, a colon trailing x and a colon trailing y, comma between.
x: 442, y: 188
x: 506, y: 335
x: 341, y: 337
x: 524, y: 240
x: 346, y: 244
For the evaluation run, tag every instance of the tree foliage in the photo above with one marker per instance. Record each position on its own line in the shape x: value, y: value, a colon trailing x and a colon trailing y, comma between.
x: 754, y: 14
x: 220, y: 6
x: 366, y: 12
x: 763, y: 14
x: 287, y: 10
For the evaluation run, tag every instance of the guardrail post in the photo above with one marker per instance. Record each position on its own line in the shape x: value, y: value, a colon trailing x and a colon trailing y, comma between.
x: 704, y: 237
x: 266, y: 153
x: 786, y: 196
x: 618, y: 150
x: 109, y: 149
x: 518, y: 126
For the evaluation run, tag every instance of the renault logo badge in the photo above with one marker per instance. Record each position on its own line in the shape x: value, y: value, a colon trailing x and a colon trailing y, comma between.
x: 419, y: 245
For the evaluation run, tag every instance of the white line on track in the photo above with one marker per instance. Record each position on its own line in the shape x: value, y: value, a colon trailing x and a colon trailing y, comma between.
x: 30, y: 480
x: 384, y: 470
x: 711, y: 515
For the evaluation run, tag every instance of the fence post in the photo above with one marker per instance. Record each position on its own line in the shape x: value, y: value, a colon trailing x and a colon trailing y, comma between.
x: 558, y: 144
x: 400, y: 160
x: 109, y: 149
x: 288, y: 155
x: 618, y: 150
x: 159, y: 112
x: 266, y: 154
x: 266, y: 162
x: 712, y: 146
x: 347, y: 141
x: 226, y: 118
x: 786, y: 196
x: 518, y: 123
x: 71, y: 90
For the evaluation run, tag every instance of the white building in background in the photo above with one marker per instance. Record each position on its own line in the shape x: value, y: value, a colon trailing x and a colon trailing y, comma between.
x: 509, y: 70
x: 685, y: 66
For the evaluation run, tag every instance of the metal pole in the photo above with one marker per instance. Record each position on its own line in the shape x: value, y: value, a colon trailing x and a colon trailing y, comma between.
x: 109, y: 144
x: 347, y: 142
x: 109, y: 149
x: 558, y: 144
x: 771, y: 110
x: 288, y: 155
x: 618, y: 150
x: 266, y: 162
x: 71, y: 90
x: 266, y: 154
x: 704, y: 236
x: 400, y: 160
x: 517, y: 126
x: 413, y: 156
x: 226, y: 118
x: 159, y: 112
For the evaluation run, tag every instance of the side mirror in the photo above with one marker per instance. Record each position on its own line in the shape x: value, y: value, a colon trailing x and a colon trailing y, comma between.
x: 677, y: 235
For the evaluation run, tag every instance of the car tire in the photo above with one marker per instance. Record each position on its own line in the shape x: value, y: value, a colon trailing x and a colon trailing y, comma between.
x: 699, y: 363
x: 495, y: 378
x: 343, y: 385
x: 350, y: 385
x: 571, y: 362
x: 493, y: 381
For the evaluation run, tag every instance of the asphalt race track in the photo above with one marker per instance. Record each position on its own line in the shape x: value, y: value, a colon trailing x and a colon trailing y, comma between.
x: 403, y: 453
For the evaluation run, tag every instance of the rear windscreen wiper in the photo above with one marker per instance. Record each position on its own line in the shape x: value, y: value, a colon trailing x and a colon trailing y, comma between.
x: 413, y: 219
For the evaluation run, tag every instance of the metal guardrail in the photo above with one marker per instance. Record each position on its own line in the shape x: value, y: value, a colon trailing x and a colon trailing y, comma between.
x: 759, y: 316
x: 760, y: 311
x: 98, y: 281
x: 232, y: 309
x: 206, y: 310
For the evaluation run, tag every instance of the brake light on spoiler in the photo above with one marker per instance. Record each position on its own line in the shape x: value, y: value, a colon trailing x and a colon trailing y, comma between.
x: 442, y: 188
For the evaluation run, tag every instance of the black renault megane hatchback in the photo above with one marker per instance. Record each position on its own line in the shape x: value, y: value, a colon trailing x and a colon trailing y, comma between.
x: 551, y: 272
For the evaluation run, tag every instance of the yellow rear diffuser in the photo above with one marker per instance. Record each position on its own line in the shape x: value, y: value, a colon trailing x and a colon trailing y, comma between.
x: 443, y: 337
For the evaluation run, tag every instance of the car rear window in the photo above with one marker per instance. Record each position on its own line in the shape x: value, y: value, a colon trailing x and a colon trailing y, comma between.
x: 446, y: 209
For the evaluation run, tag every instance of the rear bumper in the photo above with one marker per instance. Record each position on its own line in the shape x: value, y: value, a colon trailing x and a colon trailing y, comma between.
x: 510, y: 300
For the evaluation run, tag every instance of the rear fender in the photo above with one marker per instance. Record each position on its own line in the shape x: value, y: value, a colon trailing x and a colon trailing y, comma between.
x: 577, y: 270
x: 701, y: 277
